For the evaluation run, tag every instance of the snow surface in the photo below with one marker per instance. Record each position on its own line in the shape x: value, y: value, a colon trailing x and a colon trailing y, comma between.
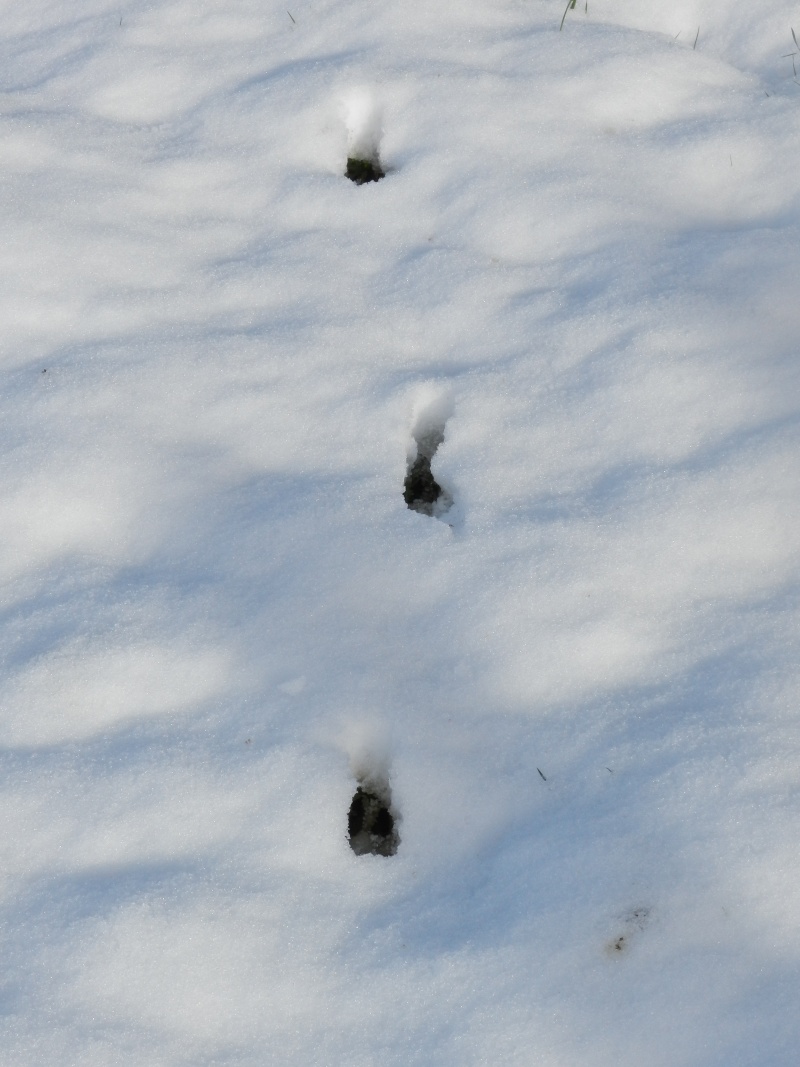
x: 218, y: 611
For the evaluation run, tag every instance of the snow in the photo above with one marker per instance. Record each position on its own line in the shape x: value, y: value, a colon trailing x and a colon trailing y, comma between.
x: 218, y: 356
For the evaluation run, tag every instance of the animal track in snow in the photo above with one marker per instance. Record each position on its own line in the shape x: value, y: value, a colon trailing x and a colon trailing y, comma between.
x: 363, y: 139
x: 362, y: 171
x: 421, y: 491
x: 371, y: 824
x: 372, y: 818
x: 634, y: 922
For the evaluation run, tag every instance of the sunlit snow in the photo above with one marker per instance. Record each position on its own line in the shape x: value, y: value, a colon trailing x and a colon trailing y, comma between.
x: 571, y: 680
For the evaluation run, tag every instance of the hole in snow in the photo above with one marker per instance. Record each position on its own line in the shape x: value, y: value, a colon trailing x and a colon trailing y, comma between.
x: 371, y: 823
x: 362, y: 171
x: 421, y: 491
x: 363, y: 138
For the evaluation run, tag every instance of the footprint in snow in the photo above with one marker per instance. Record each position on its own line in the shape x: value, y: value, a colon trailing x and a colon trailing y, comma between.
x: 371, y: 821
x: 421, y: 491
x: 363, y: 138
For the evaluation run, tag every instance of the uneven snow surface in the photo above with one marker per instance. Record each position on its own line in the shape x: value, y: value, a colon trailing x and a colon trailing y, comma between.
x: 219, y: 358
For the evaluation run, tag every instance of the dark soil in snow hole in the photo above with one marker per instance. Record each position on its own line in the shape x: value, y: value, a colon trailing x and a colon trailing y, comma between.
x: 362, y: 171
x: 421, y: 491
x: 370, y: 822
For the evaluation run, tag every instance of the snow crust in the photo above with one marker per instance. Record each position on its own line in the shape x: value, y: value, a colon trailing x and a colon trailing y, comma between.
x: 218, y: 613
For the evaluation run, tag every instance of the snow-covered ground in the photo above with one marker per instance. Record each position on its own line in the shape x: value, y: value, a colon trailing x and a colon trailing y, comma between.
x: 219, y: 614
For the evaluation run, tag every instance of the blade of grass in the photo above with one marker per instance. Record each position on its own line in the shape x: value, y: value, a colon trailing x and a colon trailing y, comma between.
x: 570, y: 4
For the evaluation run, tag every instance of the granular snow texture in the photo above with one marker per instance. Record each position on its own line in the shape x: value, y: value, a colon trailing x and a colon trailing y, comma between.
x: 220, y: 616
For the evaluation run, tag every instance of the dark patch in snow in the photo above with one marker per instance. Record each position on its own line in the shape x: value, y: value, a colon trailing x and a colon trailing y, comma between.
x: 371, y: 823
x: 635, y: 921
x: 362, y: 171
x: 421, y: 491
